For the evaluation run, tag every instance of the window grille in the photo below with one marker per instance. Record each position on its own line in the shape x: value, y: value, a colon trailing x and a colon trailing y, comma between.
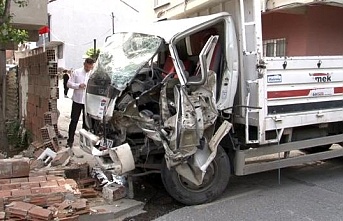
x: 274, y: 47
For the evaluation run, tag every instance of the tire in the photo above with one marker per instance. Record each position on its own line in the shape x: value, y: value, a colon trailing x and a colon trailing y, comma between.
x: 215, y: 181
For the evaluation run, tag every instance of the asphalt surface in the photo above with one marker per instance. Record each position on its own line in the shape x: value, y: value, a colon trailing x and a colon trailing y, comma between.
x: 309, y: 192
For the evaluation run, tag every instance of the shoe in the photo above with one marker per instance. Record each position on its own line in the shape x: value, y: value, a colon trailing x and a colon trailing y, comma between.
x: 69, y: 145
x: 66, y: 96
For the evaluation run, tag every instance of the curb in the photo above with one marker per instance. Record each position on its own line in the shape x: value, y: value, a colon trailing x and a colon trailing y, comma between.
x: 119, y: 209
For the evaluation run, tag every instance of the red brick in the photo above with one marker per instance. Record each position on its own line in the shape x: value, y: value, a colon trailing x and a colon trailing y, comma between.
x: 19, y: 193
x: 50, y: 118
x: 58, y: 189
x: 51, y: 183
x: 68, y: 182
x: 39, y: 200
x: 19, y: 180
x: 38, y: 152
x: 38, y: 213
x: 47, y: 133
x: 29, y: 185
x: 5, y: 181
x: 18, y: 208
x: 10, y: 186
x: 53, y: 177
x: 40, y: 190
x: 51, y: 144
x: 37, y: 178
x: 36, y: 144
x: 55, y: 198
x: 5, y: 193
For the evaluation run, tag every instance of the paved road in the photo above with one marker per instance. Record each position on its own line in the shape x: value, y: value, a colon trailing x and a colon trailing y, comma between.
x: 311, y: 192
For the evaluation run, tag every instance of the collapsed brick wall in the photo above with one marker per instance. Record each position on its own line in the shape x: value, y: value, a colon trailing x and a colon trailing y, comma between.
x: 42, y: 91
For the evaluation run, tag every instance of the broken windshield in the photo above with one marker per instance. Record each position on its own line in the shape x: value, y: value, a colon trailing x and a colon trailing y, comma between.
x: 123, y: 55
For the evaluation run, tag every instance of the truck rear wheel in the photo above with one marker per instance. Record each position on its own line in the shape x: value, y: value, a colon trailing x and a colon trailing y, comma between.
x: 215, y: 181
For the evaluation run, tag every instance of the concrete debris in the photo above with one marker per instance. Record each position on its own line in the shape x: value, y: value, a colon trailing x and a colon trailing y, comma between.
x: 99, y: 174
x: 47, y: 156
x: 37, y: 164
x: 113, y: 192
x: 61, y: 158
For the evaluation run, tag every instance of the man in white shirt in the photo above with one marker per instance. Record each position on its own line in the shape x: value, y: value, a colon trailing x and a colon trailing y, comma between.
x: 78, y: 81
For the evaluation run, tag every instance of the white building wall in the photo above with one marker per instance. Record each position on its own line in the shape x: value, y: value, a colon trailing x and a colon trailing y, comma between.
x: 76, y: 23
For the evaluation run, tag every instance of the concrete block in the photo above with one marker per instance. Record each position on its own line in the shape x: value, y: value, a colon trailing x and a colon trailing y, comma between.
x: 114, y: 212
x: 113, y: 192
x: 20, y: 167
x: 61, y: 158
x: 47, y: 156
x: 70, y: 218
x: 11, y: 168
x: 77, y: 173
x: 6, y: 169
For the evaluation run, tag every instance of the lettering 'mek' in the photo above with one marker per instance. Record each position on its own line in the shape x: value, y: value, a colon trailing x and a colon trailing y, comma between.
x: 323, y: 79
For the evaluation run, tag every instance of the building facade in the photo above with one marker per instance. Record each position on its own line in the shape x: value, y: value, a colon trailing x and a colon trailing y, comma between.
x: 289, y: 28
x: 78, y: 25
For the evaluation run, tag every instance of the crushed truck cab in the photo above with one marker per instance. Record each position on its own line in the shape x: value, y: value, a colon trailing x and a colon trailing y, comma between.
x: 195, y: 100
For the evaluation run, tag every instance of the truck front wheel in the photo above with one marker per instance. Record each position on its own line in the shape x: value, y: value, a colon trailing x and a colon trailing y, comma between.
x: 215, y: 181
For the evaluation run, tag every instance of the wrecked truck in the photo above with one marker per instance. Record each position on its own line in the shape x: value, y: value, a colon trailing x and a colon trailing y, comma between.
x: 186, y: 99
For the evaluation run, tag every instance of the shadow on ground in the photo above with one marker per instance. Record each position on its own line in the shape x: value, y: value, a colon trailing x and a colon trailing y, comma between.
x: 150, y: 189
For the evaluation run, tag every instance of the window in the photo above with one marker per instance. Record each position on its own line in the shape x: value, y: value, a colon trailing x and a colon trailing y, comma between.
x: 274, y: 47
x: 158, y: 3
x: 60, y: 51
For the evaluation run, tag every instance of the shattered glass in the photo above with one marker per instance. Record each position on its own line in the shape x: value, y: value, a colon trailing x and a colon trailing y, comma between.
x: 124, y: 54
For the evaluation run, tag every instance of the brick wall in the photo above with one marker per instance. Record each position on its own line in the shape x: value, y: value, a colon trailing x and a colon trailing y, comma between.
x: 42, y: 89
x: 12, y: 95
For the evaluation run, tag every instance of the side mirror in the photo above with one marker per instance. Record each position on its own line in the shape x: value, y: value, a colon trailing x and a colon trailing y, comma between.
x: 205, y: 58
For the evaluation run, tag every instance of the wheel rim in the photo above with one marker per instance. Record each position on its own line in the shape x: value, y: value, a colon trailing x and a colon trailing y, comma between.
x: 208, y: 180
